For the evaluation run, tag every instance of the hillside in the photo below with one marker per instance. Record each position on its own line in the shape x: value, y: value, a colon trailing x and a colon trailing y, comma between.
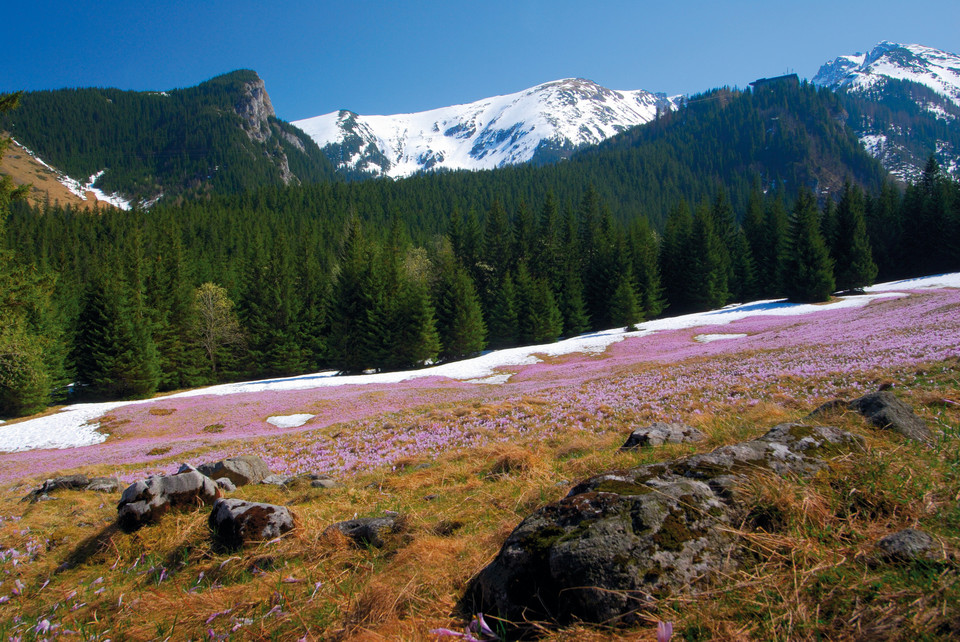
x: 221, y: 136
x: 449, y: 468
x: 903, y: 101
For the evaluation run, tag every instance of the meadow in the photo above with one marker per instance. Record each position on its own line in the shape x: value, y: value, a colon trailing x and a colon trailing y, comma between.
x: 464, y: 462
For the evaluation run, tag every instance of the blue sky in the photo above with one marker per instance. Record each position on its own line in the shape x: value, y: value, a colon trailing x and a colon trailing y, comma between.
x: 394, y: 57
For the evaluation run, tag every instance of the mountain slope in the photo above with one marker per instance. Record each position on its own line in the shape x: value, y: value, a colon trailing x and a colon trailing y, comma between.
x: 220, y: 136
x: 539, y: 124
x: 904, y: 103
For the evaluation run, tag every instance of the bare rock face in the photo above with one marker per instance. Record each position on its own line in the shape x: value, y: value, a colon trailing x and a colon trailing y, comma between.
x: 884, y: 410
x: 618, y: 540
x: 146, y: 501
x: 256, y: 109
x: 243, y: 470
x: 658, y: 433
x: 235, y: 522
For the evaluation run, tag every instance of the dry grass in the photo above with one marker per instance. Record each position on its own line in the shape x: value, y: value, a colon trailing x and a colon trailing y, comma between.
x: 811, y: 568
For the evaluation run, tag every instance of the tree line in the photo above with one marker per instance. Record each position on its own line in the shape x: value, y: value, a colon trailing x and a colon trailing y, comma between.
x: 124, y: 304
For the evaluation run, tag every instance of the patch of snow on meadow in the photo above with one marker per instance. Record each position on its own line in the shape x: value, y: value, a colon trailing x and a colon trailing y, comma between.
x: 708, y: 338
x: 73, y: 425
x: 289, y: 421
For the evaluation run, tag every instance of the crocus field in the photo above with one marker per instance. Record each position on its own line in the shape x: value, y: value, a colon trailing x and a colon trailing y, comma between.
x: 464, y: 451
x: 658, y: 374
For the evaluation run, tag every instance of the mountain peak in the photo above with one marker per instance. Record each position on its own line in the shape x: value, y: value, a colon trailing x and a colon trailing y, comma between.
x: 546, y: 121
x: 936, y: 69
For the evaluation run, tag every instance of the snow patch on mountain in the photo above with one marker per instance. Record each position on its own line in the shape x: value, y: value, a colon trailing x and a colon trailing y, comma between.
x: 81, y: 188
x: 486, y: 134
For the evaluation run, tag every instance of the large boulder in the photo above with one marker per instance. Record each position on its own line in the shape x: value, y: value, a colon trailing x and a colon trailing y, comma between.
x: 619, y: 540
x: 242, y: 470
x: 659, y: 433
x: 146, y: 501
x: 235, y: 522
x: 884, y: 410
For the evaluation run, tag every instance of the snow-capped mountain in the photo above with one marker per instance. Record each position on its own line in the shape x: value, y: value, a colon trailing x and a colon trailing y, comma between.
x: 938, y: 70
x: 905, y: 121
x: 540, y: 123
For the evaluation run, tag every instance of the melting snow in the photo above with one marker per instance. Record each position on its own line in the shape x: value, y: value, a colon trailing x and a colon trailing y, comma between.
x: 289, y: 421
x: 75, y: 425
x: 707, y: 338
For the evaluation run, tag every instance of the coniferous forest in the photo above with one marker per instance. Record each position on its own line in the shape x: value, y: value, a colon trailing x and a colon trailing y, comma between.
x: 391, y: 275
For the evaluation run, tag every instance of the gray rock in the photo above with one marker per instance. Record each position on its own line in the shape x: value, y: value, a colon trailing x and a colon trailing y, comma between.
x: 278, y: 480
x: 908, y: 545
x: 146, y: 501
x: 619, y: 540
x: 103, y: 485
x: 884, y: 410
x: 243, y: 470
x: 235, y: 522
x: 658, y: 433
x: 368, y: 531
x: 226, y: 485
x: 323, y: 483
x: 66, y: 482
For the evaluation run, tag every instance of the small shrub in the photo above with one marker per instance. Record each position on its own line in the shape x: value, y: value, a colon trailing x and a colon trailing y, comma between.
x: 213, y: 428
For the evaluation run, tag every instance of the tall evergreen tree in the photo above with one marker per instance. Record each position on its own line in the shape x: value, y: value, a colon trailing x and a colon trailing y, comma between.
x: 809, y: 267
x: 853, y: 258
x: 460, y: 322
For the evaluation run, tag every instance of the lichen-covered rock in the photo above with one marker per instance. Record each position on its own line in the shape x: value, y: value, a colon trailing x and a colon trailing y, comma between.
x: 226, y: 485
x: 242, y: 470
x: 368, y: 531
x: 619, y: 540
x: 235, y: 522
x: 884, y: 410
x: 145, y: 501
x: 659, y: 433
x: 303, y: 479
x: 103, y: 485
x: 908, y: 545
x: 65, y: 482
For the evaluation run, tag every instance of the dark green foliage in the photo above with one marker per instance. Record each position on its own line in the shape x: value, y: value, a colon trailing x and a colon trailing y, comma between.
x: 624, y: 306
x: 502, y: 318
x: 852, y: 256
x: 113, y: 354
x: 538, y: 317
x: 460, y: 321
x: 184, y: 141
x: 809, y: 276
x: 709, y: 270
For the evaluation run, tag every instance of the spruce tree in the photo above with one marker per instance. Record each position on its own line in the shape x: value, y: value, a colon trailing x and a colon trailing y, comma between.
x: 855, y: 268
x: 460, y: 323
x: 502, y: 316
x: 809, y: 274
x: 624, y: 306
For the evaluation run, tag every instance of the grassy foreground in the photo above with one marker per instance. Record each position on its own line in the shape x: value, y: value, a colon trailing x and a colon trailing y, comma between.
x: 814, y: 572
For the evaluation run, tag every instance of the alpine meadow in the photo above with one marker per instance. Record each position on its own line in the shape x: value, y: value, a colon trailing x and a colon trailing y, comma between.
x: 569, y: 363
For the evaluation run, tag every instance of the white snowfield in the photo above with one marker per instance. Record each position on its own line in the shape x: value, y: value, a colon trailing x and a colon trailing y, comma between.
x: 488, y: 133
x: 76, y: 425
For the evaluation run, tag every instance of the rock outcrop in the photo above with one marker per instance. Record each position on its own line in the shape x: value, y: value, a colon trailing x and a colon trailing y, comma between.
x: 235, y: 522
x: 72, y: 482
x: 242, y: 470
x: 658, y: 433
x: 146, y: 501
x: 884, y: 410
x: 619, y: 540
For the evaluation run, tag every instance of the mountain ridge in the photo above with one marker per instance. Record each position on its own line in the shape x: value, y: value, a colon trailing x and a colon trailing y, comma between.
x: 546, y: 122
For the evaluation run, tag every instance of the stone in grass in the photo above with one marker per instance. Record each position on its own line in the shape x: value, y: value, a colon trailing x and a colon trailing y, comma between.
x: 226, y: 485
x: 235, y: 522
x: 103, y: 485
x: 242, y: 470
x: 290, y: 481
x: 146, y: 501
x: 658, y: 433
x: 884, y: 410
x: 619, y: 540
x: 66, y: 482
x: 369, y: 531
x: 908, y: 545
